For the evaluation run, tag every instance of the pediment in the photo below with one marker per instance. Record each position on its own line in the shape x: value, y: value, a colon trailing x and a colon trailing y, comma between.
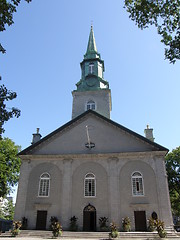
x: 106, y: 136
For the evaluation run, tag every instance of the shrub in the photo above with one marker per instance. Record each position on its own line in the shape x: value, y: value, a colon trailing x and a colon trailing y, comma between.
x: 103, y: 223
x: 73, y: 224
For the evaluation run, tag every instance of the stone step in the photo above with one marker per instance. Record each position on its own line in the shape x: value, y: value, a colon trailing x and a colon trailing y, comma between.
x: 92, y: 235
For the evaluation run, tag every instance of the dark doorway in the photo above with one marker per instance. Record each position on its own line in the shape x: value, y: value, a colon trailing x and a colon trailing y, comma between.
x: 89, y: 218
x: 140, y: 221
x: 41, y: 220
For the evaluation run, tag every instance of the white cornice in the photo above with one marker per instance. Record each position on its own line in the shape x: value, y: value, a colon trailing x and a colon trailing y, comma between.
x: 95, y: 156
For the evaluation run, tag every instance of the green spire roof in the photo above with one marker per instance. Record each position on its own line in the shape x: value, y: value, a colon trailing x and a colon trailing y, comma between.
x: 91, y: 48
x: 91, y: 43
x: 92, y: 68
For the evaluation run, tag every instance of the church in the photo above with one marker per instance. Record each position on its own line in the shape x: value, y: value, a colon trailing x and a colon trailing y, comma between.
x: 93, y: 167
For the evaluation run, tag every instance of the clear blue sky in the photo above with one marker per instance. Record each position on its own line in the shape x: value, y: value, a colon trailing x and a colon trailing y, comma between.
x: 45, y: 47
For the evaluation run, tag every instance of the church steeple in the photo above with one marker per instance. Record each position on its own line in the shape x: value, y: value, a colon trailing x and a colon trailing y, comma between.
x: 92, y: 90
x: 91, y: 48
x: 92, y: 68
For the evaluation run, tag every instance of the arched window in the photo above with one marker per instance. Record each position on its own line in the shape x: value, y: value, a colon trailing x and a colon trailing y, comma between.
x: 137, y: 184
x: 44, y: 185
x: 90, y: 105
x: 90, y: 185
x: 91, y: 68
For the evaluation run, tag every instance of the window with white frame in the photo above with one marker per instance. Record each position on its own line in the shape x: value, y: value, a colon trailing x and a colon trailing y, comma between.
x: 90, y: 185
x: 90, y: 105
x: 44, y: 185
x: 137, y: 184
x: 91, y: 68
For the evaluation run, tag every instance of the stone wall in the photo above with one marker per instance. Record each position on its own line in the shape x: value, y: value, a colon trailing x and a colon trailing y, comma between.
x: 113, y: 187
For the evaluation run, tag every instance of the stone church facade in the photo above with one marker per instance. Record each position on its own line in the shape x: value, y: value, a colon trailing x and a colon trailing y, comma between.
x: 93, y: 167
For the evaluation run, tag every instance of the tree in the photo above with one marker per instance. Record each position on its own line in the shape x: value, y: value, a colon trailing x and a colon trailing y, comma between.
x: 173, y: 172
x: 5, y: 114
x: 165, y: 16
x: 9, y: 165
x: 7, y: 209
x: 7, y: 9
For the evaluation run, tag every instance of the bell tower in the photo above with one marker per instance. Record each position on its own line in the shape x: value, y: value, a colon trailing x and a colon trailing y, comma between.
x: 92, y: 90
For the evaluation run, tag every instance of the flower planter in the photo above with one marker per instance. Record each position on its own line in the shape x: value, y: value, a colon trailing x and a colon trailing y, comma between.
x: 113, y: 234
x: 126, y: 228
x: 162, y: 234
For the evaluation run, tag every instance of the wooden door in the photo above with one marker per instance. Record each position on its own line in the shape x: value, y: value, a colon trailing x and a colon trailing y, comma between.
x: 140, y: 221
x: 89, y: 218
x: 92, y: 221
x: 41, y: 220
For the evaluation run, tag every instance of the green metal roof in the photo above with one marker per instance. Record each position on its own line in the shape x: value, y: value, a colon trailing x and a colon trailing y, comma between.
x: 91, y: 48
x: 92, y: 68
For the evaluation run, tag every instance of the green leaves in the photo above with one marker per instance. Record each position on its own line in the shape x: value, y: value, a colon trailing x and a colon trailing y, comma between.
x: 9, y: 165
x: 173, y: 171
x: 5, y: 113
x: 163, y: 14
x: 7, y: 9
x: 7, y: 210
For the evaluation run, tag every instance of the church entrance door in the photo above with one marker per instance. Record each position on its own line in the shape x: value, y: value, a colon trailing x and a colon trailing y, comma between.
x: 140, y: 221
x: 89, y: 218
x: 41, y: 220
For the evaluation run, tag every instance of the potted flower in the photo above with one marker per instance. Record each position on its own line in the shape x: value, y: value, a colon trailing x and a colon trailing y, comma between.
x: 160, y: 228
x: 52, y: 220
x: 103, y: 223
x: 73, y: 224
x: 113, y: 231
x: 151, y: 224
x: 126, y: 224
x: 56, y: 229
x: 16, y: 228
